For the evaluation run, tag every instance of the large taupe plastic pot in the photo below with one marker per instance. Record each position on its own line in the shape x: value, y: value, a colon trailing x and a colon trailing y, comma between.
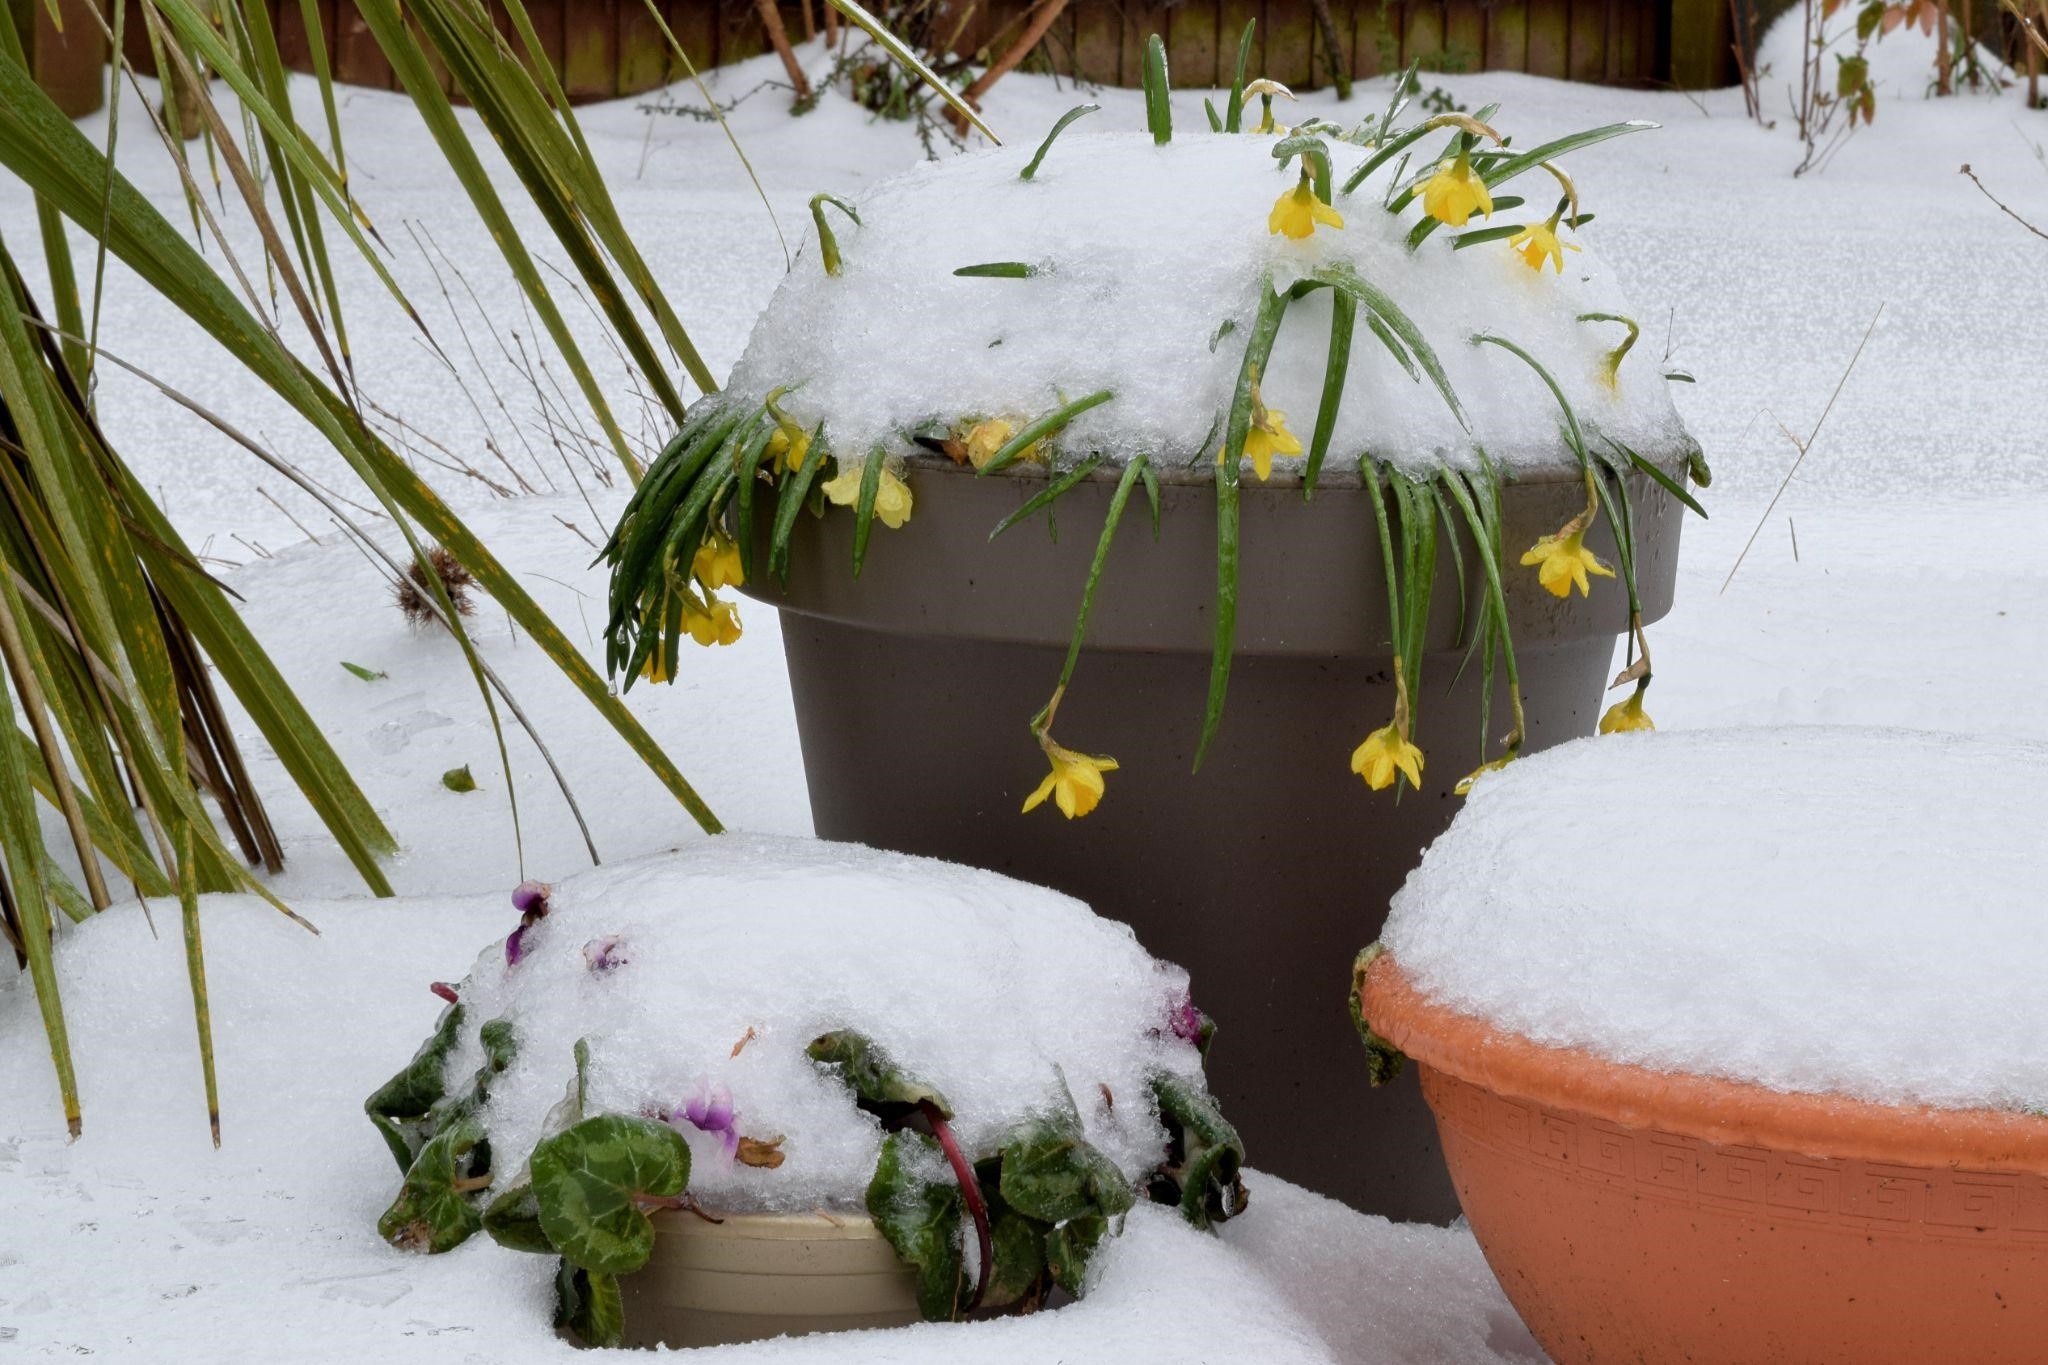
x: 914, y: 685
x: 754, y: 1276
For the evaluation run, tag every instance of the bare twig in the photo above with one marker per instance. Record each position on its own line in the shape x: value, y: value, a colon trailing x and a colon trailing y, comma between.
x: 1804, y: 446
x: 2002, y: 208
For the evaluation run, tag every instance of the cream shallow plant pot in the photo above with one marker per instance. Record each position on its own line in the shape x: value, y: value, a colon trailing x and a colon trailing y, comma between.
x: 758, y: 1275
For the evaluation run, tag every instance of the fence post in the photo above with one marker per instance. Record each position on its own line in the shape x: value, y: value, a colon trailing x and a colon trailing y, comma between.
x: 1700, y: 55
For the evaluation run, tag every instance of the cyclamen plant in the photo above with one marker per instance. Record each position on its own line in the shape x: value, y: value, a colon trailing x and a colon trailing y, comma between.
x: 701, y: 504
x: 1036, y: 1205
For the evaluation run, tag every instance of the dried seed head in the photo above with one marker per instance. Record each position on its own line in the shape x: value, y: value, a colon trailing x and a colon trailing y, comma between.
x: 416, y: 596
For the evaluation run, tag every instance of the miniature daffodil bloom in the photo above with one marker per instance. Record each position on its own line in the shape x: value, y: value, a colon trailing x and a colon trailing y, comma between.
x: 1075, y: 782
x: 1385, y: 752
x: 1268, y: 436
x: 892, y: 495
x: 1562, y: 563
x: 1454, y: 194
x: 718, y: 625
x: 1626, y: 716
x: 1469, y: 780
x: 1538, y: 243
x: 717, y: 562
x: 1265, y: 90
x: 788, y: 448
x: 985, y: 439
x: 1297, y: 211
x: 656, y: 668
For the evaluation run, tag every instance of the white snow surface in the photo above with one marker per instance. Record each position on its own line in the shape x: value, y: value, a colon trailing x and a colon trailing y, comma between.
x: 141, y: 1243
x: 727, y: 958
x: 1816, y: 910
x: 1146, y: 253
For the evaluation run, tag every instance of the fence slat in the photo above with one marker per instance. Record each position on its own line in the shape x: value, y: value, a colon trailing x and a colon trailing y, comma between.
x: 1191, y: 43
x: 1235, y: 13
x: 1290, y: 44
x: 590, y: 49
x: 1507, y: 36
x: 1588, y: 40
x: 1424, y: 39
x: 1464, y: 36
x: 1549, y: 37
x: 643, y: 52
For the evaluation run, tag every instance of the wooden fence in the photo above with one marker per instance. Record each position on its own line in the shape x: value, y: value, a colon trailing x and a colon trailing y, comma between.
x: 610, y: 48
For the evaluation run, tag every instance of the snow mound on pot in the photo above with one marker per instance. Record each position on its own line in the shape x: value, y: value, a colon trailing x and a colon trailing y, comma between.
x: 1151, y: 259
x: 1815, y: 910
x: 727, y: 959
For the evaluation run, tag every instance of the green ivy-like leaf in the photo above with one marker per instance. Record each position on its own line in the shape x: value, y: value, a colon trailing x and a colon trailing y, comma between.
x: 588, y: 1182
x: 921, y: 1220
x: 1053, y: 1174
x: 588, y: 1304
x: 1204, y: 1153
x: 431, y: 1213
x: 882, y: 1087
x: 513, y: 1220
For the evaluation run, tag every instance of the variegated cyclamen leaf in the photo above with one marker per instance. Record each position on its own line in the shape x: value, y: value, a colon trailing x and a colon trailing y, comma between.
x: 1017, y: 1271
x: 589, y: 1304
x: 882, y: 1087
x: 921, y: 1219
x: 432, y: 1212
x: 413, y: 1091
x: 513, y: 1220
x: 1204, y: 1152
x: 589, y: 1182
x: 1053, y: 1174
x: 1068, y: 1248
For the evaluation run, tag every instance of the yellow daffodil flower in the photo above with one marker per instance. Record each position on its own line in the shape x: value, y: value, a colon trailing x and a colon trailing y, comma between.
x: 1469, y: 780
x: 892, y: 495
x: 656, y: 667
x: 1265, y: 90
x: 717, y: 562
x: 984, y: 439
x: 1075, y: 782
x: 719, y: 625
x: 1538, y: 243
x: 1267, y: 437
x: 1385, y: 752
x: 1297, y: 211
x: 1562, y: 563
x: 788, y: 451
x: 1626, y: 716
x: 1454, y: 194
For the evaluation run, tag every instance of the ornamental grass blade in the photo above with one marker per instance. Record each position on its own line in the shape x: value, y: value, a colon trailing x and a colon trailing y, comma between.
x: 911, y: 62
x: 1343, y: 312
x: 195, y: 968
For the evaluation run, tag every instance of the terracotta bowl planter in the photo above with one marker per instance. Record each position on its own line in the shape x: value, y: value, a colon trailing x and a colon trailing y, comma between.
x: 1638, y: 1216
x: 754, y: 1276
x: 914, y: 685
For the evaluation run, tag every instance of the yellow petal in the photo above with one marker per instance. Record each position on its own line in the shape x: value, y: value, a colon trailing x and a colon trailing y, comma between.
x: 1037, y: 798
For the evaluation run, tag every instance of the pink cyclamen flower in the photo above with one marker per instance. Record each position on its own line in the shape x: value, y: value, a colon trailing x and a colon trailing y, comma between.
x: 710, y: 1110
x: 1187, y: 1021
x: 605, y: 954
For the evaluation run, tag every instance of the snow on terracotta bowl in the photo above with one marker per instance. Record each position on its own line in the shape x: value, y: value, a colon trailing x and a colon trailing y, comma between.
x: 771, y: 1086
x: 1737, y: 1042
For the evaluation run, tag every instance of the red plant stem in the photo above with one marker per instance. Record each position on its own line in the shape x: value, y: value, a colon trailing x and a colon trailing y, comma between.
x: 970, y: 1190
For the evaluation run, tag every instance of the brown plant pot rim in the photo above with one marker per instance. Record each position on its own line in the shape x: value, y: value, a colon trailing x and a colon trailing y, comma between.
x: 1723, y: 1112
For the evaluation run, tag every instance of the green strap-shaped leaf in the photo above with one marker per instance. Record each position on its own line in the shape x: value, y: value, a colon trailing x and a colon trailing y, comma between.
x: 1031, y: 166
x: 590, y: 1181
x: 1158, y: 108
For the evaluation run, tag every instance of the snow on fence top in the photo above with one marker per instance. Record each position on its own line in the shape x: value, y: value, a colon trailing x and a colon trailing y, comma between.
x: 1147, y: 262
x: 700, y: 979
x: 1814, y: 910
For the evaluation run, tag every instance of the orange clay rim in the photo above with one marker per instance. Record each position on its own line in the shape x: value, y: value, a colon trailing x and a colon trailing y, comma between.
x: 1725, y: 1113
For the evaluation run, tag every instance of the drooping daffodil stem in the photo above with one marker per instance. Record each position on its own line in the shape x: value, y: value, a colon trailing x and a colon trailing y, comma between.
x: 1611, y: 368
x: 828, y: 245
x: 1315, y: 156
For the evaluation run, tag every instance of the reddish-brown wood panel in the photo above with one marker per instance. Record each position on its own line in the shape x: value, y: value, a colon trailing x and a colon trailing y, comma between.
x: 643, y: 52
x: 1290, y: 44
x: 1233, y: 16
x: 68, y: 63
x: 358, y: 59
x: 1507, y: 36
x: 1464, y: 36
x: 1588, y: 59
x: 590, y: 49
x: 1142, y: 19
x: 1192, y: 43
x: 740, y: 34
x: 1549, y: 24
x: 1423, y: 39
x: 1375, y: 38
x: 695, y: 25
x: 1098, y: 40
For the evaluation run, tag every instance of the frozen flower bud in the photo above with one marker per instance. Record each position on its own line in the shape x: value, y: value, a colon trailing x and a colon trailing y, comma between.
x: 531, y: 898
x: 605, y: 954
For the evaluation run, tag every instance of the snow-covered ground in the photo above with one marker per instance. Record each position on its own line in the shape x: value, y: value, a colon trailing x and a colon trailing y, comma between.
x: 1899, y: 581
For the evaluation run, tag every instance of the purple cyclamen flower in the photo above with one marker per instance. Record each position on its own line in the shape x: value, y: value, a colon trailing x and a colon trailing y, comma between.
x: 605, y: 954
x: 710, y: 1111
x: 1187, y: 1021
x: 530, y: 899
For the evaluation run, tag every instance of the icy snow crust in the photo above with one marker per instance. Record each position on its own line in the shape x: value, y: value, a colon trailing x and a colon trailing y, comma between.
x: 1146, y: 252
x: 1006, y: 997
x: 1858, y: 911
